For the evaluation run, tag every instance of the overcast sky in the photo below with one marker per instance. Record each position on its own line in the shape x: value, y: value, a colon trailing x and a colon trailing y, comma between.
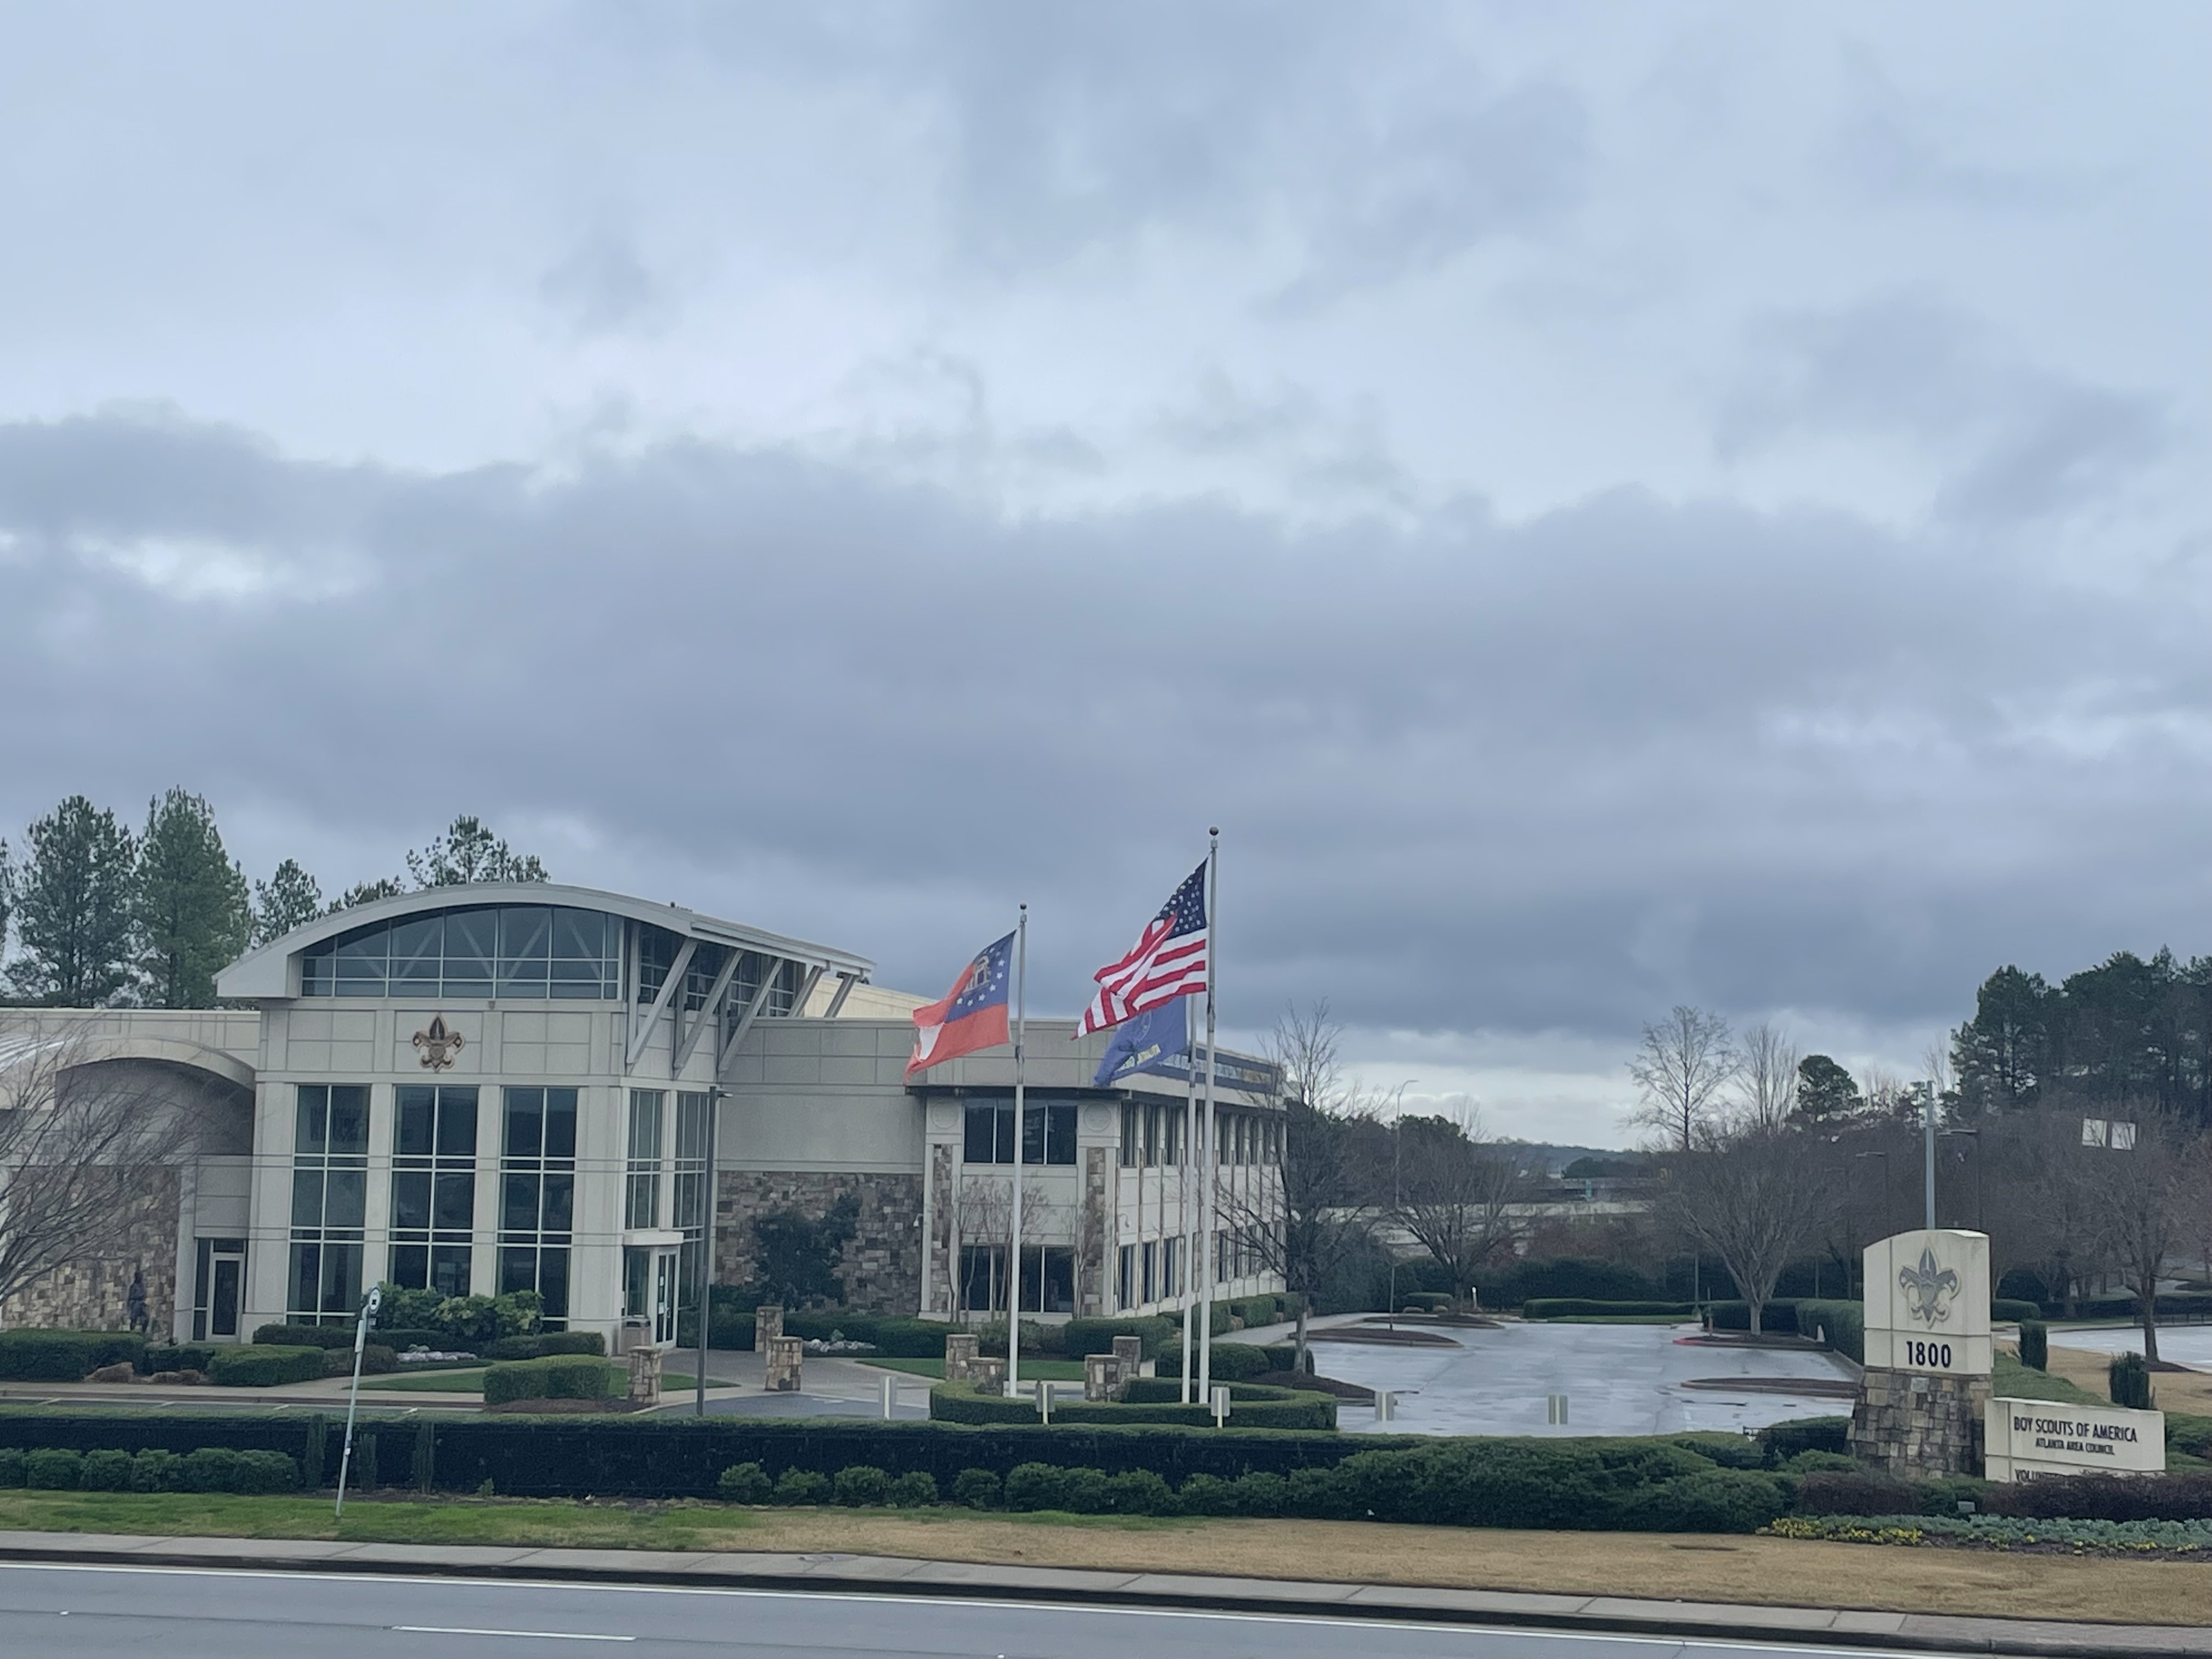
x: 1607, y: 506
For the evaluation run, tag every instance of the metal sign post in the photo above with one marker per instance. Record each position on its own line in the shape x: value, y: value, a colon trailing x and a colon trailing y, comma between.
x: 368, y: 1307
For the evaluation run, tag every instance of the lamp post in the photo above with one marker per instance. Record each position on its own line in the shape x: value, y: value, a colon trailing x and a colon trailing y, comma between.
x: 370, y: 1304
x: 706, y: 1273
x: 1397, y: 1196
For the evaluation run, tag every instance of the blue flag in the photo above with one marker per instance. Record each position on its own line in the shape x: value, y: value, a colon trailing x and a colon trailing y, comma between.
x: 1158, y: 1040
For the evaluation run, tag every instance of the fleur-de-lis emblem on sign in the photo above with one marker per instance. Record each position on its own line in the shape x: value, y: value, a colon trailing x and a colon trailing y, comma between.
x: 438, y: 1045
x: 1928, y: 1289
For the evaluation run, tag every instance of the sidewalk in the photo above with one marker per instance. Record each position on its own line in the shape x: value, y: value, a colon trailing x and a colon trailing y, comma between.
x: 1812, y: 1626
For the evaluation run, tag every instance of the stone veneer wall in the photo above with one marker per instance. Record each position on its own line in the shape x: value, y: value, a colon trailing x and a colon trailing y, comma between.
x: 94, y: 1294
x: 1919, y: 1427
x: 881, y: 1266
x: 1091, y: 1294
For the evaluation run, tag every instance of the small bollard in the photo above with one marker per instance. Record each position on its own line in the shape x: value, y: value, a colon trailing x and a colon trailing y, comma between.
x: 1044, y: 1402
x: 1386, y: 1408
x: 1220, y: 1405
x: 891, y: 1397
x: 1555, y: 1409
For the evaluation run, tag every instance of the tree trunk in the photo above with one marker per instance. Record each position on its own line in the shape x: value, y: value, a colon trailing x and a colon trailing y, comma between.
x: 1305, y: 1360
x: 2149, y: 1304
x: 1758, y: 1311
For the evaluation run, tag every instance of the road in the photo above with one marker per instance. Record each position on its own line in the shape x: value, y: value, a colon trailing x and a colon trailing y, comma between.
x: 93, y: 1612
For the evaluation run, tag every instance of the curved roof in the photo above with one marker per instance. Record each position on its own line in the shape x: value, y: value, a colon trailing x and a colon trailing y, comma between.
x: 263, y: 974
x: 90, y: 1048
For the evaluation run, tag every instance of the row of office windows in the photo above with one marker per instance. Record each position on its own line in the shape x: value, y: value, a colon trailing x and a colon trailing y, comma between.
x: 524, y: 950
x: 1152, y: 1135
x: 1154, y: 1271
x: 1048, y: 1279
x: 1047, y: 1132
x: 434, y: 1192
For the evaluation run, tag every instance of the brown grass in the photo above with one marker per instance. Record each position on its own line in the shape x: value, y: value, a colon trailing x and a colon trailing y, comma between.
x: 2176, y: 1391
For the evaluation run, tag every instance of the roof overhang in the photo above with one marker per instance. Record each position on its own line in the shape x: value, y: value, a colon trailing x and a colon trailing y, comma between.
x: 264, y: 974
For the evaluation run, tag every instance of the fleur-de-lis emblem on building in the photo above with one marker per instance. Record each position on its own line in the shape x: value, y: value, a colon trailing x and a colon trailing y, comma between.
x: 438, y: 1045
x: 1929, y: 1289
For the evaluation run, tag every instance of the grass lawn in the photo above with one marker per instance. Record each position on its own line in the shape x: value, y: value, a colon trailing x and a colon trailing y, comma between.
x: 1695, y: 1567
x: 472, y: 1382
x: 1033, y: 1370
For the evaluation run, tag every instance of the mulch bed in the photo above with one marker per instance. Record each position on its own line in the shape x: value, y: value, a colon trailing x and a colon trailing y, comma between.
x: 1351, y: 1393
x: 1378, y: 1336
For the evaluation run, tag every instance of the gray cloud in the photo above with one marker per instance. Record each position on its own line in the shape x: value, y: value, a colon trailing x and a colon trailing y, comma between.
x: 1546, y: 776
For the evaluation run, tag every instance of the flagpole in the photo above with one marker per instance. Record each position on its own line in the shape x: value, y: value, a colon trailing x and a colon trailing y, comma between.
x: 1207, y: 1177
x: 1187, y: 1188
x: 1014, y: 1256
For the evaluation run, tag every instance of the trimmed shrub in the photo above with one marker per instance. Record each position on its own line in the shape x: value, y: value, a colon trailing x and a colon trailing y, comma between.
x: 546, y: 1343
x: 1139, y: 1491
x: 257, y: 1367
x: 893, y: 1338
x: 181, y: 1356
x: 798, y: 1486
x: 1784, y: 1441
x: 11, y: 1466
x: 1821, y: 1463
x: 1713, y: 1500
x: 263, y: 1472
x: 214, y: 1468
x: 106, y: 1471
x: 1233, y: 1362
x: 915, y: 1489
x: 1253, y: 1405
x: 977, y: 1489
x: 51, y: 1468
x: 1841, y: 1325
x: 744, y: 1483
x: 862, y: 1486
x: 2006, y: 1309
x: 281, y: 1336
x: 1037, y: 1486
x: 1208, y: 1494
x: 1860, y: 1492
x: 2106, y: 1498
x: 2035, y: 1344
x: 156, y: 1470
x: 1579, y: 1308
x: 2128, y: 1381
x: 33, y: 1355
x: 558, y: 1376
x: 1260, y: 1494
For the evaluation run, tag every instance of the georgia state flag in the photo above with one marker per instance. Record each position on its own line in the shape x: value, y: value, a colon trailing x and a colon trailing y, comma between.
x: 973, y: 1014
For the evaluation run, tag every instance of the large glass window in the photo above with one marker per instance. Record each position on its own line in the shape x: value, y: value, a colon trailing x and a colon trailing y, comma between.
x: 1047, y: 1132
x: 525, y: 951
x: 433, y: 1186
x: 538, y: 1196
x: 694, y: 1123
x: 330, y: 1193
x: 641, y: 1195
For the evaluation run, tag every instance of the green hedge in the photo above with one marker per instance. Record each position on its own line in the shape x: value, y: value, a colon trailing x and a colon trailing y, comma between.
x: 1268, y: 1309
x: 206, y: 1468
x: 544, y: 1344
x: 2010, y: 1310
x: 1571, y: 1307
x: 1252, y: 1406
x: 2035, y: 1345
x: 1784, y: 1441
x: 34, y: 1355
x: 398, y: 1337
x: 253, y: 1366
x: 1238, y: 1362
x: 892, y: 1337
x: 1843, y: 1323
x: 558, y: 1376
x: 180, y: 1356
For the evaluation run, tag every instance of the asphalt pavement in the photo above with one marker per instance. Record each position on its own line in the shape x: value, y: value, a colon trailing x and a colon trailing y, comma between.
x: 182, y: 1612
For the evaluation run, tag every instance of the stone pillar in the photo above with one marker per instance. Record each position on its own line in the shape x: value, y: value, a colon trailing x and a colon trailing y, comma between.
x: 768, y: 1324
x: 1129, y: 1358
x: 644, y: 1377
x: 1919, y: 1426
x: 989, y: 1373
x: 960, y: 1356
x: 1102, y: 1378
x: 785, y: 1354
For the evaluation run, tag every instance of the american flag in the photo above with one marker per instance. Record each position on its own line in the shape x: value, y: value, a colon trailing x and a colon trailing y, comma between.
x: 1168, y: 961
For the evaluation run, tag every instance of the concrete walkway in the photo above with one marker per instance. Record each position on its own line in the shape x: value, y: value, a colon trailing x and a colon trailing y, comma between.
x: 1825, y: 1627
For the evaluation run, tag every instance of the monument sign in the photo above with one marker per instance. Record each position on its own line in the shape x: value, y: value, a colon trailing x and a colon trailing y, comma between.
x: 2030, y: 1439
x: 1926, y: 1383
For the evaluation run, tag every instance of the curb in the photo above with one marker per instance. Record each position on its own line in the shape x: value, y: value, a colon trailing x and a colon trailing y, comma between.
x: 1960, y: 1636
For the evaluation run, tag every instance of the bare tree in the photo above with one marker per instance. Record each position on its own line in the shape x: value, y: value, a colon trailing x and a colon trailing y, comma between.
x: 84, y: 1144
x: 1767, y: 1076
x: 2140, y: 1215
x: 1685, y: 1062
x: 1752, y: 1194
x: 1455, y: 1192
x: 980, y: 1211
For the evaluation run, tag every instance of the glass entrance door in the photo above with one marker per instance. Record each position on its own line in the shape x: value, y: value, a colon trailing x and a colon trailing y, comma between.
x: 223, y: 1296
x: 663, y: 1296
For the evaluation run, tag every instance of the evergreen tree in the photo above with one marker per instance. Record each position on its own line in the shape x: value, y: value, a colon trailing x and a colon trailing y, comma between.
x: 2002, y: 1054
x: 73, y: 907
x: 467, y: 852
x: 192, y: 913
x: 367, y: 892
x: 1825, y: 1092
x: 289, y: 899
x: 7, y: 896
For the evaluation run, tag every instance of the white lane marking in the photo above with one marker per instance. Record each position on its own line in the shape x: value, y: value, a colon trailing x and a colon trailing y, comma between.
x: 532, y: 1635
x: 1811, y: 1640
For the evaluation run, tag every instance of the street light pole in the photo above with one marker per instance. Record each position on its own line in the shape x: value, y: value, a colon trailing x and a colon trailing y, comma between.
x: 1928, y: 1124
x: 368, y: 1307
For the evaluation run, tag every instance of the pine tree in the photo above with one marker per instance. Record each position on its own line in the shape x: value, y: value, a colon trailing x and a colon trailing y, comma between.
x: 467, y: 852
x: 367, y: 892
x: 73, y: 907
x: 289, y: 899
x: 191, y: 913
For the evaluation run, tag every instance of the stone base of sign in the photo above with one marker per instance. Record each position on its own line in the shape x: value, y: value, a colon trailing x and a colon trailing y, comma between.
x: 1919, y: 1426
x: 1102, y: 1378
x: 1129, y: 1353
x: 784, y: 1355
x: 644, y: 1377
x: 987, y: 1374
x: 960, y: 1357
